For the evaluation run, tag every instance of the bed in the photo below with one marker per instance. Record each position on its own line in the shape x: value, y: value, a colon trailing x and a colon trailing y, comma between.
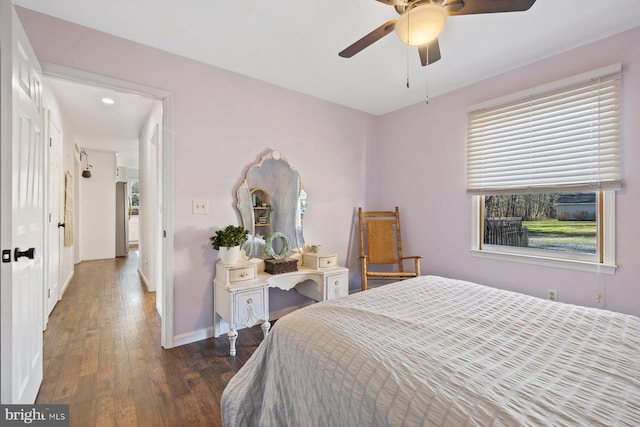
x: 433, y: 351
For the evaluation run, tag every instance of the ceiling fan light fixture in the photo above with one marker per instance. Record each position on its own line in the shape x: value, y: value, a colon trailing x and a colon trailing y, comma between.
x: 421, y: 24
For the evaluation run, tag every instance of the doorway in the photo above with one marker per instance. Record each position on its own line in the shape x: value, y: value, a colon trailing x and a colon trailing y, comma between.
x: 155, y: 234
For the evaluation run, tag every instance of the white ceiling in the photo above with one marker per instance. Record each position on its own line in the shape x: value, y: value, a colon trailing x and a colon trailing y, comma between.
x: 295, y: 44
x: 100, y: 126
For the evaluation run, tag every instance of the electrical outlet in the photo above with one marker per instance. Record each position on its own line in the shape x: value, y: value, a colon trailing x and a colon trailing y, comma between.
x: 552, y: 294
x: 200, y: 207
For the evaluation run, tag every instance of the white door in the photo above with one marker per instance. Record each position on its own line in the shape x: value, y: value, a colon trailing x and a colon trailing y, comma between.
x: 53, y: 292
x: 22, y: 212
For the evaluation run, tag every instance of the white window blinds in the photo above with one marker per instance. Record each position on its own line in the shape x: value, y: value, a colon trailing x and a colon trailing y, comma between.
x: 563, y: 137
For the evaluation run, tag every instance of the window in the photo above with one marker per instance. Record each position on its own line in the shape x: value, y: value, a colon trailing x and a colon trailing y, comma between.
x: 543, y: 166
x: 561, y: 222
x: 134, y: 197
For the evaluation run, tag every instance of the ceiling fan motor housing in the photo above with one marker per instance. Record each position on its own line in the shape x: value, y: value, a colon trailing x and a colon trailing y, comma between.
x: 421, y: 23
x: 410, y: 4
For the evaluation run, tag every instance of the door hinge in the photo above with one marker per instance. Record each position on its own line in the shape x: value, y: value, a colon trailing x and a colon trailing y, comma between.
x: 50, y: 142
x: 164, y: 233
x: 49, y: 217
x: 6, y: 255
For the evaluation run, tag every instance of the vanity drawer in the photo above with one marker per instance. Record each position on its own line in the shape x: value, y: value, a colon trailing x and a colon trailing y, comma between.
x: 317, y: 261
x: 235, y: 273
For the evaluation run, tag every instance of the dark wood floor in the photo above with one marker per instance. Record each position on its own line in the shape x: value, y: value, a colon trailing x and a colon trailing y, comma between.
x: 102, y: 356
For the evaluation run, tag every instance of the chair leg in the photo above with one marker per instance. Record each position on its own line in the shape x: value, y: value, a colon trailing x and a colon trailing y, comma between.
x: 363, y: 269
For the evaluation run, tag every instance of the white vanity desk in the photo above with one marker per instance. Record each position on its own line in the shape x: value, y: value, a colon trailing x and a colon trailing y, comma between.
x: 241, y: 291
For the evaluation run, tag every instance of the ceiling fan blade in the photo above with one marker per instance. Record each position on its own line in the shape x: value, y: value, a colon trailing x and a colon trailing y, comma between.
x: 369, y: 39
x: 433, y: 50
x: 487, y: 6
x: 453, y: 6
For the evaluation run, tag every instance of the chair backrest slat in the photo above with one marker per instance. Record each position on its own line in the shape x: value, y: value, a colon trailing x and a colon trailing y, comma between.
x: 382, y: 231
x: 381, y: 241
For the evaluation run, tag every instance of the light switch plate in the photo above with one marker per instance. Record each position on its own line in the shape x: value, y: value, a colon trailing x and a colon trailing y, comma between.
x: 200, y: 207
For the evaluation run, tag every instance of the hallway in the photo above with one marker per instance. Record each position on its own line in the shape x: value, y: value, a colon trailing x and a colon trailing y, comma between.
x: 102, y: 356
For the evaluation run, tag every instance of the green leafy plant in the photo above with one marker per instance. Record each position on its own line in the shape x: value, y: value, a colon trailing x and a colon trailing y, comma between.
x: 229, y: 237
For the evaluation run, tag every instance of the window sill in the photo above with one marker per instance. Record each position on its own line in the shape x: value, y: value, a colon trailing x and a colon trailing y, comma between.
x: 547, y: 261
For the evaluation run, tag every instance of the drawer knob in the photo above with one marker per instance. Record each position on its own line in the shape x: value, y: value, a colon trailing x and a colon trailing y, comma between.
x: 243, y: 274
x: 250, y: 301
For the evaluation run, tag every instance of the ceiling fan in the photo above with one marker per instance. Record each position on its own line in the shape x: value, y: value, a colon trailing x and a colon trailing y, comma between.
x: 421, y: 21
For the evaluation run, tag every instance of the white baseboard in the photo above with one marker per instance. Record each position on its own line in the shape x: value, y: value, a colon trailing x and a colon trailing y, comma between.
x: 220, y: 326
x: 66, y: 283
x: 143, y: 278
x: 189, y: 337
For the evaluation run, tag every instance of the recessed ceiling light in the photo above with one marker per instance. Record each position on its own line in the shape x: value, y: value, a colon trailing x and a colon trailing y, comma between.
x: 108, y: 101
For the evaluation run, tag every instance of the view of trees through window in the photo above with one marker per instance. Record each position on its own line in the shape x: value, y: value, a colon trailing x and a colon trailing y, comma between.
x: 564, y: 222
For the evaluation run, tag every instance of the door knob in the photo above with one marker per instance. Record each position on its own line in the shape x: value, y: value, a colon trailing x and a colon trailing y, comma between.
x: 29, y: 253
x: 61, y: 224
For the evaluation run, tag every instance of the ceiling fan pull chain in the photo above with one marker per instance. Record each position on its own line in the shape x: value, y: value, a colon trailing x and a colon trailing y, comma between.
x: 426, y: 73
x: 408, y: 67
x: 408, y: 24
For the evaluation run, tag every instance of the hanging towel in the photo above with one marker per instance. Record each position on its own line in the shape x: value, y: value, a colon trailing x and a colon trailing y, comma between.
x: 68, y: 209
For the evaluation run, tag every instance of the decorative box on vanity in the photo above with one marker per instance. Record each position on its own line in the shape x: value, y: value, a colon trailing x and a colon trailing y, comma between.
x: 318, y: 261
x: 279, y: 266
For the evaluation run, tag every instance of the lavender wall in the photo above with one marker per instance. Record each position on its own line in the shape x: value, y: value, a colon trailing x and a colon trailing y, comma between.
x: 223, y: 122
x: 422, y: 151
x: 413, y: 158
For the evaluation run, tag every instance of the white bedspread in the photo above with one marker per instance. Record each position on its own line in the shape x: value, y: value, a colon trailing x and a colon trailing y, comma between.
x: 432, y: 351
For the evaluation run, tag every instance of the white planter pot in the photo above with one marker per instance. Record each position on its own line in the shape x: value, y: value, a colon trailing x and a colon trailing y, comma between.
x: 230, y: 255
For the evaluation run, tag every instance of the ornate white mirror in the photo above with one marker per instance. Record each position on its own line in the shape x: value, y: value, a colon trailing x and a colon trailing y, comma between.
x: 272, y: 200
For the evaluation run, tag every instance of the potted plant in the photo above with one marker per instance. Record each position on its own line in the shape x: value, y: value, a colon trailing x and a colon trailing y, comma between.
x: 228, y: 242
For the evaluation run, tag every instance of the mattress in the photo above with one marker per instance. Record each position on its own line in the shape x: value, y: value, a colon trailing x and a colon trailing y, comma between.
x: 433, y: 351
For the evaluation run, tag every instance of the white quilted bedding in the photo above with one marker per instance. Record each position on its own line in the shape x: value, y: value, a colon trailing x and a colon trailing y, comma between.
x: 439, y: 352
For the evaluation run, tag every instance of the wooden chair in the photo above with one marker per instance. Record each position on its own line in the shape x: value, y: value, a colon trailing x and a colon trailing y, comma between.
x: 380, y: 244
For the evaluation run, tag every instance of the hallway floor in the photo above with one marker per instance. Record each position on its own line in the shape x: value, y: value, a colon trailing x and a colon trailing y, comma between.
x: 102, y: 356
